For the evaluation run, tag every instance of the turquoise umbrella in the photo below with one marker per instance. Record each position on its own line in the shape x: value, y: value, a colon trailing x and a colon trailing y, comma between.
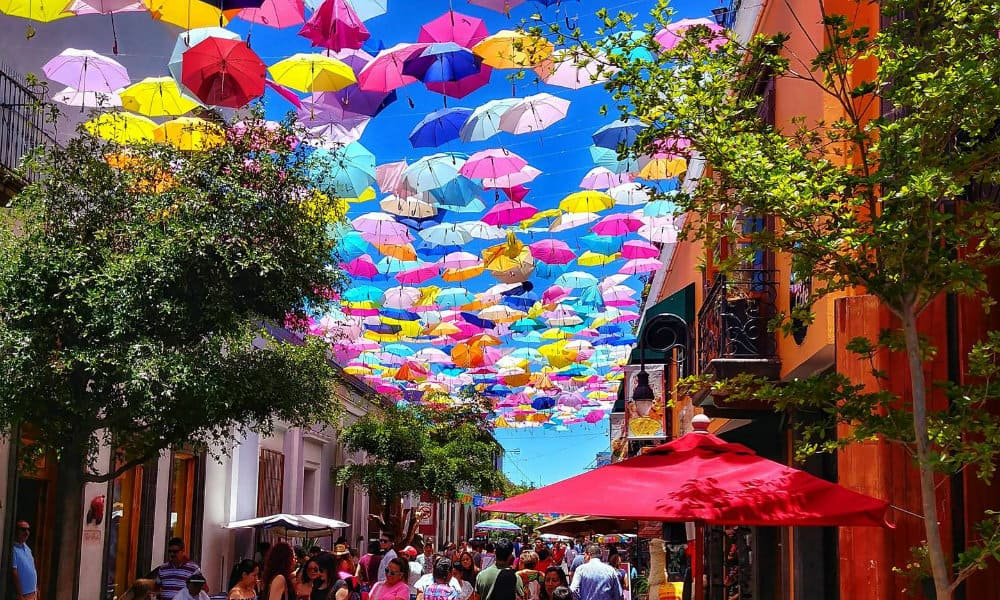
x: 452, y: 297
x: 347, y: 171
x: 484, y: 122
x: 446, y: 234
x: 390, y: 266
x: 576, y: 279
x: 608, y: 158
x: 434, y: 171
x: 476, y: 206
x: 659, y: 208
x: 497, y: 525
x: 362, y: 293
x: 350, y: 245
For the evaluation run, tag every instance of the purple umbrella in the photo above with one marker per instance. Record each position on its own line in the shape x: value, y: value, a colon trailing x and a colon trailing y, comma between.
x: 464, y: 86
x: 356, y: 59
x: 357, y: 101
x: 501, y: 6
x: 454, y: 27
x: 86, y: 71
x: 335, y: 26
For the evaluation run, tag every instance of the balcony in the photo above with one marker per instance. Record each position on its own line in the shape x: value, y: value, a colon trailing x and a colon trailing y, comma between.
x: 21, y: 130
x: 733, y: 334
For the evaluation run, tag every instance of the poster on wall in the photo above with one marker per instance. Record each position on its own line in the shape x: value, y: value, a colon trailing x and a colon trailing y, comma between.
x: 653, y: 424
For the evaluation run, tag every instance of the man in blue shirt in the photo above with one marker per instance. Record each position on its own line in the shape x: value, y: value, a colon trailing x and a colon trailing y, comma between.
x: 594, y: 580
x: 24, y: 573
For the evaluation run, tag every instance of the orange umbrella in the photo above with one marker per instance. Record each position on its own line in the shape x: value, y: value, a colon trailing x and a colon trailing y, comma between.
x: 468, y: 355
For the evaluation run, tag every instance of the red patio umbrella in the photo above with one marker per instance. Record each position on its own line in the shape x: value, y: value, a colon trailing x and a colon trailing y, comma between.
x: 700, y: 477
x: 223, y: 72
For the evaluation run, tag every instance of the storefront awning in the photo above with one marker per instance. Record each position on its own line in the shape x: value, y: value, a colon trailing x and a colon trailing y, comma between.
x: 680, y: 304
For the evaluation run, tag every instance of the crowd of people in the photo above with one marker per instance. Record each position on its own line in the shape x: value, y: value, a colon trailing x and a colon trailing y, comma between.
x: 503, y: 569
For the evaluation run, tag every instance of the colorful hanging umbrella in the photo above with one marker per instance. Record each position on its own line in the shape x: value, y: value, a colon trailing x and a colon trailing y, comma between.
x: 534, y: 113
x: 434, y: 171
x: 156, y: 97
x: 440, y: 62
x: 637, y: 266
x: 453, y: 27
x: 86, y: 71
x: 574, y: 69
x: 659, y: 230
x: 484, y: 122
x: 276, y: 13
x: 190, y: 14
x: 356, y: 101
x: 223, y: 72
x: 42, y: 11
x: 362, y: 267
x: 589, y: 201
x: 618, y: 134
x: 188, y: 133
x: 501, y: 6
x: 507, y: 49
x: 596, y: 259
x: 482, y: 230
x: 710, y: 32
x: 121, y: 127
x: 446, y: 234
x: 71, y: 97
x: 508, y: 213
x: 492, y: 163
x: 609, y: 159
x: 408, y: 207
x: 600, y: 178
x: 439, y: 127
x: 495, y: 524
x: 346, y: 171
x: 418, y: 275
x: 570, y: 220
x: 187, y: 40
x: 639, y: 249
x: 385, y: 72
x: 629, y: 194
x: 666, y: 167
x: 617, y: 224
x: 552, y: 251
x: 335, y: 26
x: 464, y: 86
x: 312, y: 73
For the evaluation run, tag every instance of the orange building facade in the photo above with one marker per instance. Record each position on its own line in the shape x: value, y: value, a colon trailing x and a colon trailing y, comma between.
x: 808, y: 563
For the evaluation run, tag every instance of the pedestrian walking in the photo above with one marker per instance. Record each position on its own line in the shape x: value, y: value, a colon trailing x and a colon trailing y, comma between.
x: 499, y: 581
x: 594, y: 580
x: 23, y: 570
x: 368, y: 565
x: 173, y: 575
x: 554, y: 577
x: 243, y: 580
x: 410, y: 554
x: 442, y: 588
x: 386, y: 542
x: 530, y: 576
x: 194, y: 589
x: 394, y: 587
x: 279, y: 564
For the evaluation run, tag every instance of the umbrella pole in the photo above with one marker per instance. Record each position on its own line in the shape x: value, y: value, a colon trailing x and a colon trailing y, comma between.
x: 698, y: 563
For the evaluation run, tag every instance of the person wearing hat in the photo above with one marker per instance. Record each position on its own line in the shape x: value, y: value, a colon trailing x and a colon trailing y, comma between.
x: 194, y: 589
x: 410, y: 553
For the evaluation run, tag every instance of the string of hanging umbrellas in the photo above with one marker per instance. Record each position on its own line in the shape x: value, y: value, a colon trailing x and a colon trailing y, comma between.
x: 548, y: 357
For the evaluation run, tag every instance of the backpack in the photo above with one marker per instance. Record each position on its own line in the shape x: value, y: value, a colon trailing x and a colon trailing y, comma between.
x: 504, y: 587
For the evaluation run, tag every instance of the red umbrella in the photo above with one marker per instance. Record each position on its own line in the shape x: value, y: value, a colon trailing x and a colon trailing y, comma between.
x: 223, y: 72
x: 700, y: 477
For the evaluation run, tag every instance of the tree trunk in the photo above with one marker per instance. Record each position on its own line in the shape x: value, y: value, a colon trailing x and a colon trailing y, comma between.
x: 69, y: 530
x: 928, y: 496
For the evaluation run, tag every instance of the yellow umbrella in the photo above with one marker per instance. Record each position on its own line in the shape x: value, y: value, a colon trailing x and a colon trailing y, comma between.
x: 444, y: 328
x: 190, y: 133
x: 596, y: 259
x: 357, y: 370
x: 121, y: 127
x: 155, y: 178
x: 554, y: 333
x: 36, y: 10
x: 663, y: 168
x: 508, y: 49
x: 588, y: 201
x: 156, y: 97
x: 188, y: 14
x: 312, y: 73
x: 366, y: 195
x: 550, y: 213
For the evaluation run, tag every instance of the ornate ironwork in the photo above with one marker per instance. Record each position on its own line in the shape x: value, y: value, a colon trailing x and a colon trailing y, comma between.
x: 733, y: 320
x: 21, y: 124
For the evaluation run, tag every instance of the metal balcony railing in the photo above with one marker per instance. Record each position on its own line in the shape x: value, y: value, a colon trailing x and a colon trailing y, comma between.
x: 21, y: 125
x: 725, y: 16
x: 733, y: 321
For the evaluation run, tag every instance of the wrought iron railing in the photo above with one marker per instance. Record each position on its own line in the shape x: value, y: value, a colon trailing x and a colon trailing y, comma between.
x: 725, y: 16
x: 733, y: 320
x: 21, y: 124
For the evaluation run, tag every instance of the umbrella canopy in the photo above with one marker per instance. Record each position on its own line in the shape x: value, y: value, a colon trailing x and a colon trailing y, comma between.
x: 385, y: 72
x: 105, y: 7
x: 507, y: 49
x: 671, y: 35
x: 440, y: 62
x: 453, y: 27
x: 335, y: 26
x: 572, y: 525
x: 189, y: 39
x: 534, y: 113
x: 484, y: 122
x: 312, y: 73
x: 497, y: 525
x: 72, y: 97
x: 156, y: 97
x: 439, y: 127
x: 188, y: 133
x: 700, y: 477
x: 464, y: 86
x: 573, y: 69
x: 36, y: 11
x: 276, y: 13
x: 121, y: 127
x: 190, y: 14
x: 86, y: 71
x: 223, y: 72
x: 285, y: 523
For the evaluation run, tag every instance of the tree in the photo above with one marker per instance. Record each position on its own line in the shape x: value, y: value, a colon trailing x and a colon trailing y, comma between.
x: 897, y: 204
x: 442, y: 447
x: 135, y: 285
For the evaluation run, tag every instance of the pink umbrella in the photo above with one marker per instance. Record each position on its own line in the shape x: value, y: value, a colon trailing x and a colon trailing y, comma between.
x: 508, y: 213
x: 639, y: 249
x: 660, y: 230
x: 86, y: 71
x: 501, y: 6
x: 335, y: 26
x: 105, y: 7
x: 389, y: 178
x: 573, y: 69
x: 521, y: 177
x: 276, y: 13
x: 385, y: 72
x: 617, y: 224
x: 552, y: 252
x: 555, y: 293
x: 419, y: 275
x: 600, y: 178
x: 455, y: 27
x: 671, y: 35
x: 362, y: 267
x: 284, y: 92
x: 641, y: 265
x: 464, y: 86
x: 516, y: 193
x: 459, y: 260
x: 594, y: 416
x: 534, y: 113
x: 492, y: 163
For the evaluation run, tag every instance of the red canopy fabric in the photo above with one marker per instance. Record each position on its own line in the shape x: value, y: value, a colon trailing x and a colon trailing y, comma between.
x: 223, y: 72
x: 700, y: 477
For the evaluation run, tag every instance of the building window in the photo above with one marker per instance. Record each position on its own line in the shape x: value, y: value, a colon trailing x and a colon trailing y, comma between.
x: 270, y: 482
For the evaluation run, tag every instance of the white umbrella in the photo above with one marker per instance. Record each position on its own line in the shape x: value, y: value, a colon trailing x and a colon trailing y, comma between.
x: 291, y: 525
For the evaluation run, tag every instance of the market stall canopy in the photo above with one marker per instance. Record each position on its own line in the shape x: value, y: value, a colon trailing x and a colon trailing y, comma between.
x: 700, y: 477
x: 570, y: 525
x: 292, y: 525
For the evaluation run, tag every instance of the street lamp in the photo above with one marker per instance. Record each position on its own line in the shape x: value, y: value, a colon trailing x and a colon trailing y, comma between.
x: 643, y: 395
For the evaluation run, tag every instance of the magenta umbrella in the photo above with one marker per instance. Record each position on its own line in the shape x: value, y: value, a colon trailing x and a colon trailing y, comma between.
x: 385, y: 72
x: 419, y: 275
x: 464, y: 86
x: 284, y: 92
x: 362, y: 267
x: 508, y: 213
x: 617, y: 224
x: 454, y: 27
x: 276, y: 13
x: 552, y: 252
x: 335, y: 26
x: 492, y: 163
x: 639, y: 249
